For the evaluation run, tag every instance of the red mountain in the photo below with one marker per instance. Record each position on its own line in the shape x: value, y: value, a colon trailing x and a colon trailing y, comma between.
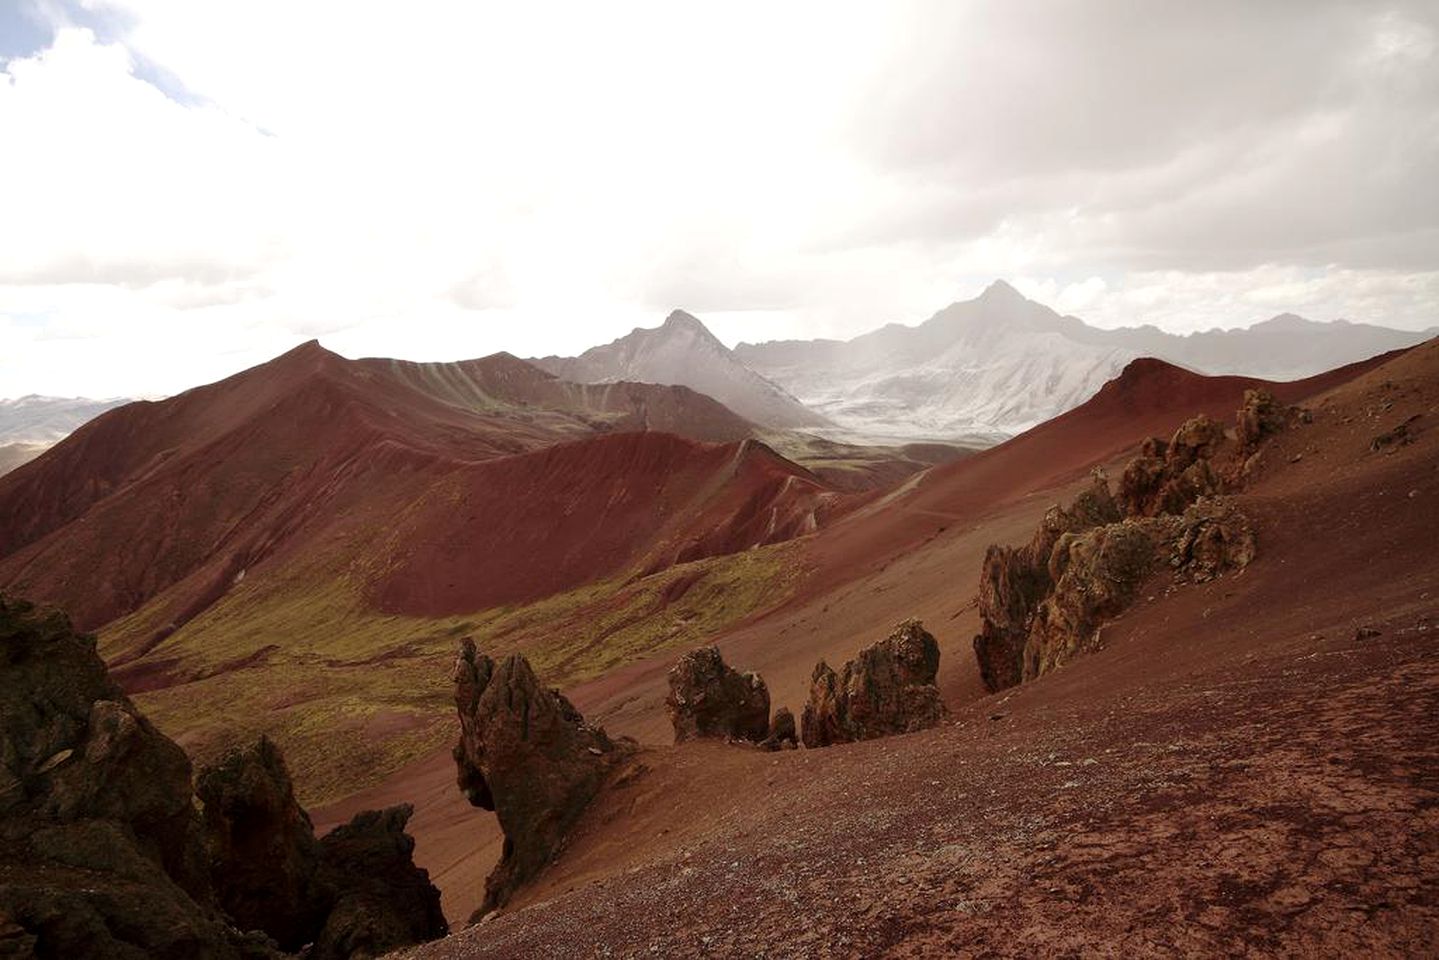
x: 186, y: 496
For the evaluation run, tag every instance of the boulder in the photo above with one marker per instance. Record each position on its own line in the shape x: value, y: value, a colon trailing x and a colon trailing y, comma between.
x: 100, y: 846
x: 889, y: 688
x: 263, y: 853
x: 1096, y: 576
x: 710, y: 699
x: 354, y: 893
x: 1014, y: 581
x: 382, y: 901
x: 1261, y: 416
x: 527, y: 754
x: 782, y: 733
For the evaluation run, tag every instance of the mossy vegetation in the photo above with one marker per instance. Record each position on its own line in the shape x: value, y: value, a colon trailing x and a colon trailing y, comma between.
x: 351, y: 694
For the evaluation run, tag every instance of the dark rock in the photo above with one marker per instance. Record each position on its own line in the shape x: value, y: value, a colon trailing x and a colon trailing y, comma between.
x: 100, y: 846
x: 1042, y: 603
x: 382, y: 900
x: 1400, y: 435
x: 1096, y: 576
x: 1260, y: 416
x: 354, y: 893
x: 710, y: 699
x: 781, y: 731
x: 263, y: 852
x: 1014, y: 581
x: 527, y: 754
x: 888, y: 689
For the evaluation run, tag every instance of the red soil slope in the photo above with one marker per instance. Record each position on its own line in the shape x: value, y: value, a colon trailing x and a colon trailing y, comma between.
x: 524, y: 527
x: 196, y: 491
x: 916, y: 552
x: 1239, y: 771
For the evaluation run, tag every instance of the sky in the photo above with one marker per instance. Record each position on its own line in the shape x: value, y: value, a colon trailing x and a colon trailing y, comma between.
x: 193, y: 186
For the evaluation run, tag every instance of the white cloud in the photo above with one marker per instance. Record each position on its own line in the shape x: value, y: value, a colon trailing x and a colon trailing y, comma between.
x: 441, y: 180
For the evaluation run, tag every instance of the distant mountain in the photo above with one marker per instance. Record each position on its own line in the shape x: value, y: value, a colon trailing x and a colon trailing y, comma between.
x: 37, y: 419
x: 13, y: 455
x: 1001, y: 364
x: 683, y: 351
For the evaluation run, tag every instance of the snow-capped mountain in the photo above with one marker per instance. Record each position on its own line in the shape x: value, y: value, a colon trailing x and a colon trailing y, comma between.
x: 682, y: 351
x: 1000, y: 364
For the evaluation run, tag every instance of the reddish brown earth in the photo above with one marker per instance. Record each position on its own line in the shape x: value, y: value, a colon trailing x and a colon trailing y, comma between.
x: 524, y: 527
x: 310, y: 453
x: 1263, y: 780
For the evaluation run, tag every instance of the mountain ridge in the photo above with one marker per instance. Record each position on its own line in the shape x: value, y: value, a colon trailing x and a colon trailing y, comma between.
x: 683, y: 351
x: 1001, y: 363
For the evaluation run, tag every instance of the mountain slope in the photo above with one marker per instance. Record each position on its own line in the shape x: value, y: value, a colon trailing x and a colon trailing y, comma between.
x: 683, y: 351
x: 198, y: 489
x: 292, y: 551
x: 1001, y: 364
x: 918, y: 553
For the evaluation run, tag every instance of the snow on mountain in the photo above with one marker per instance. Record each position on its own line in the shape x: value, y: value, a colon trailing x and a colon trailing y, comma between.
x: 1000, y: 364
x: 683, y: 351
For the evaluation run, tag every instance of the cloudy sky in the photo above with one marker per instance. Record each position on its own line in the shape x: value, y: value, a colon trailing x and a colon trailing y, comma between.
x: 191, y: 186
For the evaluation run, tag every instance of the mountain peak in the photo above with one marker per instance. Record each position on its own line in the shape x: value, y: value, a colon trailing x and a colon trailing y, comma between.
x: 680, y: 320
x: 1287, y: 322
x: 1000, y: 290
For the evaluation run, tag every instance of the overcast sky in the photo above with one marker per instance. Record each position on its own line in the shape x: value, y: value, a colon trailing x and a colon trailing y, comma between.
x: 192, y: 186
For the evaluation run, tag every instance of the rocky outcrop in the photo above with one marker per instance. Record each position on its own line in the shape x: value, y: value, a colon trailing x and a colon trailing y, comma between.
x: 710, y: 699
x: 1096, y: 576
x: 100, y: 847
x: 1014, y: 581
x: 381, y: 900
x: 1045, y: 602
x: 102, y: 851
x: 527, y: 754
x: 1262, y: 416
x: 782, y: 733
x: 889, y: 688
x: 354, y: 893
x: 1168, y: 476
x: 264, y: 855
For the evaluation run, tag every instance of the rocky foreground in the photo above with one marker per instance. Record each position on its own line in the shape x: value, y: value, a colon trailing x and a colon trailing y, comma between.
x: 104, y: 852
x: 1279, y: 802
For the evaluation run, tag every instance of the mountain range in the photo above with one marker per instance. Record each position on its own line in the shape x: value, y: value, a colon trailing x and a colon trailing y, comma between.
x: 299, y: 550
x: 42, y: 420
x: 1001, y: 363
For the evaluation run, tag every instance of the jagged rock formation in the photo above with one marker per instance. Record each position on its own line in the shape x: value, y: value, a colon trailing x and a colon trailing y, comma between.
x: 1045, y: 602
x: 381, y: 899
x: 709, y: 698
x: 1014, y: 581
x: 782, y: 733
x: 100, y: 846
x: 889, y: 688
x: 1168, y: 476
x: 264, y: 855
x: 527, y: 754
x: 356, y: 892
x: 103, y: 854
